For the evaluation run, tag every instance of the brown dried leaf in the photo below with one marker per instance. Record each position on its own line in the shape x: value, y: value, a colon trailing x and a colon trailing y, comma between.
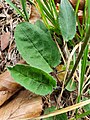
x: 8, y: 86
x: 61, y: 76
x: 7, y: 83
x: 59, y: 68
x: 24, y: 105
x: 34, y: 14
x: 60, y: 72
x: 5, y: 40
x: 81, y: 5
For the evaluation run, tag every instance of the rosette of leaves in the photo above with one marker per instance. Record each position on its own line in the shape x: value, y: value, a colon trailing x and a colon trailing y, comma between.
x: 39, y: 50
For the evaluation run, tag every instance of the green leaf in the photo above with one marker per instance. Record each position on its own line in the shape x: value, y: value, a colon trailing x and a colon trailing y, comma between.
x: 45, y: 12
x: 33, y: 79
x: 42, y: 26
x: 57, y: 117
x: 83, y: 67
x: 71, y: 86
x: 36, y: 46
x: 67, y: 20
x: 86, y: 107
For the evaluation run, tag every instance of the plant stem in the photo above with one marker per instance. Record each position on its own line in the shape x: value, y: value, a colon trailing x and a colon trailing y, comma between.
x: 80, y: 54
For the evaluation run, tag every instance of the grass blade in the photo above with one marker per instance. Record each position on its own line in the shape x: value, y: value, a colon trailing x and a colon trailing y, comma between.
x: 23, y: 2
x: 54, y: 7
x: 45, y: 10
x: 77, y: 6
x: 47, y: 5
x: 31, y: 2
x: 88, y: 4
x: 83, y: 67
x: 15, y: 8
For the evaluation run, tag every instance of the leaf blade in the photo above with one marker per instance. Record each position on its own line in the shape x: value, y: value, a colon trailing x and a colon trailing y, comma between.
x: 36, y: 46
x: 67, y: 20
x: 33, y: 79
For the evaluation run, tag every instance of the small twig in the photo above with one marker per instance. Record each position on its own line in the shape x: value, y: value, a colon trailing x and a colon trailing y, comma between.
x: 85, y: 85
x: 67, y: 68
x: 60, y: 51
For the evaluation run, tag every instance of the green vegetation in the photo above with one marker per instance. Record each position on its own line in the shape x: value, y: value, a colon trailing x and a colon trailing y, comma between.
x: 40, y: 46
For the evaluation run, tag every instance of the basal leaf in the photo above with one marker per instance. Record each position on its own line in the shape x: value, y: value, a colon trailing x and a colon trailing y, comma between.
x: 33, y: 79
x: 67, y: 20
x: 36, y: 46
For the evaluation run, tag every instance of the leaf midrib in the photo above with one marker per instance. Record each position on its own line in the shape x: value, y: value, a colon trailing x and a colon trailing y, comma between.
x: 31, y: 79
x: 36, y: 48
